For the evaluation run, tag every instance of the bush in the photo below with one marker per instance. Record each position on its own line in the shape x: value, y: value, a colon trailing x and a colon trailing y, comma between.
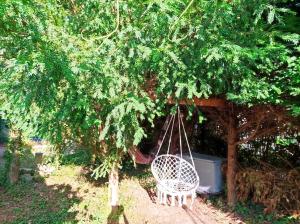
x: 79, y: 157
x: 5, y: 169
x: 3, y: 132
x: 276, y: 189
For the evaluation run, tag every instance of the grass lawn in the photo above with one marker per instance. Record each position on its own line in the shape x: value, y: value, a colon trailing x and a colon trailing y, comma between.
x: 64, y: 197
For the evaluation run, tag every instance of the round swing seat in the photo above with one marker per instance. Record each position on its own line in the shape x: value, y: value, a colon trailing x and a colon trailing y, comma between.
x: 174, y: 174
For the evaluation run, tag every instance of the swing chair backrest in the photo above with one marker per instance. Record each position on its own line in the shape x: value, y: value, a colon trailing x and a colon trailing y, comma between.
x: 174, y: 173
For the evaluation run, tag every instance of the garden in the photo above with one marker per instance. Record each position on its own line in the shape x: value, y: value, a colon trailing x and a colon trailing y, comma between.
x: 102, y: 101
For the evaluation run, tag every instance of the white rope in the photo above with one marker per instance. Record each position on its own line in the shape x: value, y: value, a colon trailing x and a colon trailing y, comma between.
x: 180, y: 144
x: 170, y: 139
x: 164, y: 136
x: 187, y: 142
x: 171, y: 134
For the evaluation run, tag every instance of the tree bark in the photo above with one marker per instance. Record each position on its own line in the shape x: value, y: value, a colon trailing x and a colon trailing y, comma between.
x: 94, y: 151
x: 114, y: 186
x: 231, y: 159
x: 14, y: 169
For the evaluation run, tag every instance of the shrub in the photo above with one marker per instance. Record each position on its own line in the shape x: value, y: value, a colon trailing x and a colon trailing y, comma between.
x: 276, y: 189
x: 79, y: 157
x: 3, y: 132
x: 5, y: 168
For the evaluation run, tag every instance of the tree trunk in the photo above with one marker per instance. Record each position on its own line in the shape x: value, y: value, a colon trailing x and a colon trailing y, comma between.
x: 14, y: 169
x: 114, y: 186
x: 94, y: 152
x: 231, y: 160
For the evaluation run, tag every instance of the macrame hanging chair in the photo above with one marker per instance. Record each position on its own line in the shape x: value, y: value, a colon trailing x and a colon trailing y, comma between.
x: 175, y: 176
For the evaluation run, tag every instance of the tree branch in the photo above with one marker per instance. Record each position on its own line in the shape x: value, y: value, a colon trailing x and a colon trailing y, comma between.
x: 254, y: 135
x: 222, y: 119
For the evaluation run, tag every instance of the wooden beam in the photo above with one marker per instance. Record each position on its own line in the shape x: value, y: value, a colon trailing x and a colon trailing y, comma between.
x: 210, y: 102
x: 202, y: 102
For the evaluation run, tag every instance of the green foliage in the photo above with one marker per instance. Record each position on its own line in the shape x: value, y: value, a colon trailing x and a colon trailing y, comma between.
x: 104, y: 167
x: 287, y: 141
x: 27, y: 159
x: 73, y: 69
x: 4, y: 168
x: 3, y: 132
x: 79, y: 157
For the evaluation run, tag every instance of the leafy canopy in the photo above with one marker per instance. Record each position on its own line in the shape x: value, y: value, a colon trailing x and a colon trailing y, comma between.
x: 81, y: 68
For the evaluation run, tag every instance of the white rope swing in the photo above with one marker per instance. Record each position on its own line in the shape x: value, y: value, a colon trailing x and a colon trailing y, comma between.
x: 175, y: 176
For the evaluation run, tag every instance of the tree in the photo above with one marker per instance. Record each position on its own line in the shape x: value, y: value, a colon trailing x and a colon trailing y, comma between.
x: 80, y: 68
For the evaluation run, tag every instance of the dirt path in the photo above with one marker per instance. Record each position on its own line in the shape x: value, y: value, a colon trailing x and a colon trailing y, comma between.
x: 148, y: 211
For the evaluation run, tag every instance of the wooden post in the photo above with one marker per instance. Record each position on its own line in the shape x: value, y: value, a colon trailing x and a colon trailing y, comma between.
x: 231, y: 159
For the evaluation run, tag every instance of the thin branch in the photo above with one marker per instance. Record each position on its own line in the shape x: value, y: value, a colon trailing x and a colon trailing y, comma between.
x: 116, y: 28
x: 217, y: 115
x: 243, y: 127
x: 252, y: 117
x: 184, y: 11
x: 223, y: 119
x: 254, y: 135
x: 117, y: 21
x: 175, y: 23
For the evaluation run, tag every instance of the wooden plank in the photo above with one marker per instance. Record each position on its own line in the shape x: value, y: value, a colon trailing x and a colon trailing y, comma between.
x: 202, y: 102
x: 210, y: 102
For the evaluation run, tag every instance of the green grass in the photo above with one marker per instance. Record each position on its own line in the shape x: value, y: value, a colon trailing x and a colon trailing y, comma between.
x: 66, y: 196
x: 38, y: 203
x: 4, y: 168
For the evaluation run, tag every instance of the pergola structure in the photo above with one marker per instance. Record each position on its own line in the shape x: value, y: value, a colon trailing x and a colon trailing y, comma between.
x: 242, y: 125
x: 199, y: 102
x: 218, y: 103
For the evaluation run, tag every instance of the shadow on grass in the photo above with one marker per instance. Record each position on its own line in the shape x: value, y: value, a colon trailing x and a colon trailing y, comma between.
x: 36, y: 202
x: 141, y: 172
x: 86, y: 175
x: 116, y: 214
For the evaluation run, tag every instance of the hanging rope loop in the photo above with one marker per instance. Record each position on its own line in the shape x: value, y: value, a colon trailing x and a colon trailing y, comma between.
x: 180, y: 127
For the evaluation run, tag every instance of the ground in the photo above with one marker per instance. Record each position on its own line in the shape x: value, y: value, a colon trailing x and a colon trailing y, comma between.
x: 68, y: 196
